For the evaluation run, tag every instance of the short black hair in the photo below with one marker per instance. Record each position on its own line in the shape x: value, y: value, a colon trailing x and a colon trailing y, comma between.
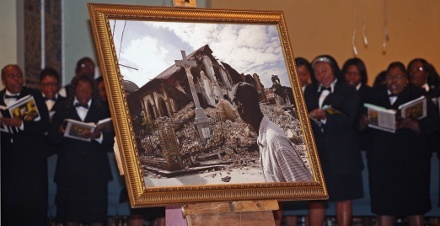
x: 398, y: 65
x: 359, y: 65
x: 83, y: 60
x: 72, y: 91
x: 48, y: 71
x: 301, y: 61
x: 433, y: 77
x: 6, y: 67
x: 380, y: 78
x: 247, y: 94
x: 421, y: 60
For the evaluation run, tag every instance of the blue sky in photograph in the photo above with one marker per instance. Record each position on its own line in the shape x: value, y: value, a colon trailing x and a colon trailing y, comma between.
x: 151, y: 47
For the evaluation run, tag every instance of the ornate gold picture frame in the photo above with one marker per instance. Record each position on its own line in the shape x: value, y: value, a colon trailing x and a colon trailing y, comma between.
x: 170, y: 74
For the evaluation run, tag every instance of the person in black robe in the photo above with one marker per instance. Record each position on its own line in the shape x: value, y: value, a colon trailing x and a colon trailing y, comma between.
x: 23, y: 157
x: 355, y: 74
x: 336, y: 139
x: 399, y: 162
x: 83, y: 171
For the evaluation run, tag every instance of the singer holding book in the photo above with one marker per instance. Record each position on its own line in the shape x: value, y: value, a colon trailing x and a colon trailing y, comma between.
x: 23, y: 158
x: 336, y: 139
x: 83, y: 171
x: 399, y: 162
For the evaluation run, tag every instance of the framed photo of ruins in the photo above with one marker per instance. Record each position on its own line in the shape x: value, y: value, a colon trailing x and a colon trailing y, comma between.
x: 169, y: 75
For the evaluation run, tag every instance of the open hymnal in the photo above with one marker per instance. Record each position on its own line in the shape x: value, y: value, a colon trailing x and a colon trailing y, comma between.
x: 385, y: 119
x: 329, y: 110
x: 24, y: 108
x: 79, y: 130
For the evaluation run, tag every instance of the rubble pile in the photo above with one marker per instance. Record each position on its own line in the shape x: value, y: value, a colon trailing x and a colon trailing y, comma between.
x: 232, y: 140
x: 185, y: 113
x: 285, y: 120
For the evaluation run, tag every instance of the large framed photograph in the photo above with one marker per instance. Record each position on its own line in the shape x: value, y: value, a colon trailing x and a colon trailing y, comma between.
x: 184, y: 132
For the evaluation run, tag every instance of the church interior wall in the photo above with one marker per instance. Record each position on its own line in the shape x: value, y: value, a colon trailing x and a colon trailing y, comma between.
x: 315, y: 27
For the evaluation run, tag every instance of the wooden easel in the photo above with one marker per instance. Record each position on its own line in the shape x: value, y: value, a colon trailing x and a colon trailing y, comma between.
x: 234, y: 213
x: 231, y: 213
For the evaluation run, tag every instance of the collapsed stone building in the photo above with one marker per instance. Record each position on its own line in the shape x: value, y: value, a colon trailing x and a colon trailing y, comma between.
x: 163, y: 117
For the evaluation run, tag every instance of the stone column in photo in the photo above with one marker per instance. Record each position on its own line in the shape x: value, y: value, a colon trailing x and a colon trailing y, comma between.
x: 201, y: 120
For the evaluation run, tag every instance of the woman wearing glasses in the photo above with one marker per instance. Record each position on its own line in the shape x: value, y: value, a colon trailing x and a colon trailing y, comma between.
x: 399, y: 162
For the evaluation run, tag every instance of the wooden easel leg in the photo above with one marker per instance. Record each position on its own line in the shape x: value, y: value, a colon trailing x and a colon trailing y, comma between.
x: 243, y: 213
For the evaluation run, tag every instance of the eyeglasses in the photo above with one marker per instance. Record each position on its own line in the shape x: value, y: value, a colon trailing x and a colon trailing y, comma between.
x: 12, y: 76
x: 397, y: 77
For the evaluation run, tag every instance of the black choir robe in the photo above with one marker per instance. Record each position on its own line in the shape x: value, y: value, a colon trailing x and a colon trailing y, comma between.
x: 82, y: 167
x: 399, y: 163
x: 337, y: 141
x: 24, y: 168
x: 338, y: 135
x: 364, y: 93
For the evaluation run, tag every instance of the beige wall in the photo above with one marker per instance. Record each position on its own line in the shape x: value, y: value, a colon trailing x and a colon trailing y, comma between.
x: 8, y: 34
x: 315, y: 27
x: 326, y: 27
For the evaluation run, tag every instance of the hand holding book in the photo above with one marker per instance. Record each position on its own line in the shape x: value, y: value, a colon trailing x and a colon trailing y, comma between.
x: 319, y: 114
x: 390, y: 119
x: 409, y: 123
x: 11, y: 122
x: 329, y: 110
x: 316, y: 115
x: 24, y: 109
x: 92, y: 135
x: 85, y: 131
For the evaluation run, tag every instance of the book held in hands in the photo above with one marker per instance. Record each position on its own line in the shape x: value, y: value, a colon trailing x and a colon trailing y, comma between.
x: 80, y: 130
x: 385, y: 119
x: 24, y: 108
x: 415, y: 109
x: 329, y: 110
